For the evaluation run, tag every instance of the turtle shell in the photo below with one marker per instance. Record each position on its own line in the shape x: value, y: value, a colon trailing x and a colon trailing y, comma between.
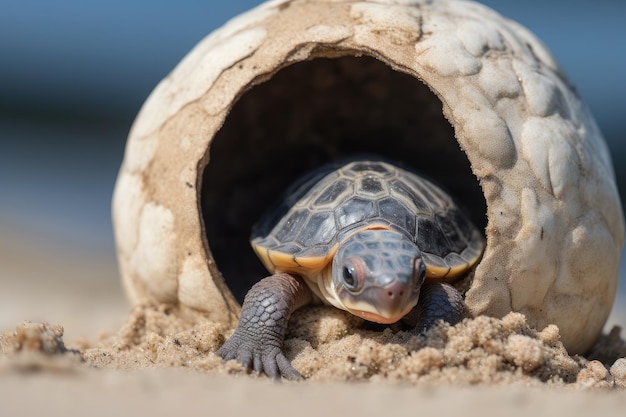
x: 302, y: 233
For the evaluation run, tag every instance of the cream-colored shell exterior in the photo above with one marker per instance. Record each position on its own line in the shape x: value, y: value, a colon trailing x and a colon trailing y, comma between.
x: 555, y: 227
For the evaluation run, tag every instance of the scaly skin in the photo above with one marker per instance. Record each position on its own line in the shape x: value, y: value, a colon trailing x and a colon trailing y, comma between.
x: 437, y: 301
x: 258, y: 340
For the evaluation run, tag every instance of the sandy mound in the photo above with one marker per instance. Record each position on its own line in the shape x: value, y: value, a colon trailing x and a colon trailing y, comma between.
x: 330, y: 345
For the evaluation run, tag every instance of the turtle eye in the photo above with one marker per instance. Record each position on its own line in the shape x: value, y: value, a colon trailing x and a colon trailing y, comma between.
x: 419, y: 270
x: 349, y: 278
x: 352, y: 275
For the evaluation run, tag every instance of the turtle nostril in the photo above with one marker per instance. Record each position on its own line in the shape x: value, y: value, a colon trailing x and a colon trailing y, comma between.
x: 392, y: 294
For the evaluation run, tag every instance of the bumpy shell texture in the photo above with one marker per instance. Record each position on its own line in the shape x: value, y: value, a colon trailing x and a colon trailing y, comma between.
x: 554, y: 224
x: 312, y: 219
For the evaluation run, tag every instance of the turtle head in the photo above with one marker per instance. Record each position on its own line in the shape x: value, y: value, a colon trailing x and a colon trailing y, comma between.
x: 377, y: 275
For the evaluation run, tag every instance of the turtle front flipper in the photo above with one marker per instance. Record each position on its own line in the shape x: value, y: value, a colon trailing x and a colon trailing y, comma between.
x: 437, y: 301
x: 258, y: 340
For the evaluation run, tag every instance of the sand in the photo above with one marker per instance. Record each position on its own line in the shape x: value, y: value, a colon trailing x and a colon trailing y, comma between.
x: 330, y: 346
x: 158, y: 359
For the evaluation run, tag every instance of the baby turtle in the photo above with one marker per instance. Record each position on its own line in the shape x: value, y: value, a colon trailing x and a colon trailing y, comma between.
x: 368, y: 237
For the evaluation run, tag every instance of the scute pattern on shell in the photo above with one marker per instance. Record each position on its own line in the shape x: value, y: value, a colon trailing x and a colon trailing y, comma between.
x: 337, y: 200
x: 555, y: 225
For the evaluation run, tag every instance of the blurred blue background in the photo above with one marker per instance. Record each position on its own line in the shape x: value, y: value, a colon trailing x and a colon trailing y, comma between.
x: 73, y: 75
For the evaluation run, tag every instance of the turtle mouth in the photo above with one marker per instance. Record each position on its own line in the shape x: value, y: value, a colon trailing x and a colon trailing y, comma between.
x: 377, y: 318
x: 383, y: 305
x: 377, y: 315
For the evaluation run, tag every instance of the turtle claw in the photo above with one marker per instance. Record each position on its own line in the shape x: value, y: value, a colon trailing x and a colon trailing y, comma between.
x: 286, y: 369
x: 258, y: 340
x: 257, y: 364
x: 279, y: 366
x: 260, y: 357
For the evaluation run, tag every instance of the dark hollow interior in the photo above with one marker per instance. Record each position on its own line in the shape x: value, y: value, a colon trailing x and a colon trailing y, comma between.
x: 312, y: 113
